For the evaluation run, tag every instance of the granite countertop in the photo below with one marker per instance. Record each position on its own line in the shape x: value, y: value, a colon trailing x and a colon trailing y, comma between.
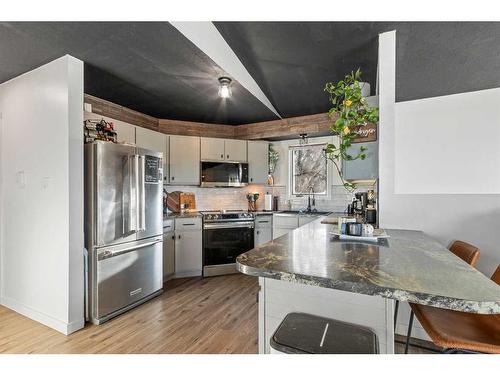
x: 179, y: 215
x: 409, y: 266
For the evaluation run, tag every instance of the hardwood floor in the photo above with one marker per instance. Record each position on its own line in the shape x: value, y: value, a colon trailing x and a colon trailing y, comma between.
x: 212, y: 315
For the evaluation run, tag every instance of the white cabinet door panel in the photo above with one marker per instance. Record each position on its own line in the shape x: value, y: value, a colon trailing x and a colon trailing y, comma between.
x: 212, y: 149
x: 184, y: 156
x: 188, y: 253
x: 168, y: 255
x: 262, y: 235
x: 235, y: 150
x: 258, y: 162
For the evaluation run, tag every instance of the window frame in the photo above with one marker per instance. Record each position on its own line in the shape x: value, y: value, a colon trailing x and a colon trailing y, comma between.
x: 291, y: 194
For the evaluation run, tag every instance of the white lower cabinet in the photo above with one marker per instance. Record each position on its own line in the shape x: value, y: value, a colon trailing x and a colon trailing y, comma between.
x: 168, y: 255
x: 284, y: 223
x: 188, y: 247
x: 263, y: 229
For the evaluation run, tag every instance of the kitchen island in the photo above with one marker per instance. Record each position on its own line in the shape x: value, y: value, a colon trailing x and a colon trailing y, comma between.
x: 309, y: 271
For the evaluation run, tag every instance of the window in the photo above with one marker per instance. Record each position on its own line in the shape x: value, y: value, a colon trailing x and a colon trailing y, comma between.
x: 309, y: 169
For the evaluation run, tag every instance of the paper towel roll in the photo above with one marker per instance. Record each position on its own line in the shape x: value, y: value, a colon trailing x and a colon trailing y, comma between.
x: 268, y: 202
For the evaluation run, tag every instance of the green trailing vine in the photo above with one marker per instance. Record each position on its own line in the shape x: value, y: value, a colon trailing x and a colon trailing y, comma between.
x: 351, y: 110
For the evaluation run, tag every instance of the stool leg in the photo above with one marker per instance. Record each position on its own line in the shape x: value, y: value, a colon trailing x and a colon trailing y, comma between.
x: 410, y: 325
x: 396, y: 315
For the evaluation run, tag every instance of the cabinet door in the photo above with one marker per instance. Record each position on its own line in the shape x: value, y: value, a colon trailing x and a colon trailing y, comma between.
x: 235, y: 150
x: 262, y: 235
x: 168, y: 255
x: 362, y: 169
x: 184, y: 155
x: 258, y: 162
x: 278, y: 232
x: 150, y: 139
x: 212, y: 149
x: 188, y: 253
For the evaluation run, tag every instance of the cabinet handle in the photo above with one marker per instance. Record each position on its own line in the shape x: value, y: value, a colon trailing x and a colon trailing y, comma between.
x: 172, y: 178
x: 188, y: 224
x: 173, y: 237
x: 179, y: 237
x: 251, y: 179
x: 227, y: 156
x: 258, y: 232
x: 222, y: 156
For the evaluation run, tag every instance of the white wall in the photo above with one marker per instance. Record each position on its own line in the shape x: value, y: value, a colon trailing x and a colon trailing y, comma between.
x: 470, y: 217
x: 449, y: 144
x: 42, y: 194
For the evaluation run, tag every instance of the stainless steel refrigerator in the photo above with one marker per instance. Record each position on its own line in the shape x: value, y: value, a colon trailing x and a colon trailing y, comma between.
x: 123, y: 227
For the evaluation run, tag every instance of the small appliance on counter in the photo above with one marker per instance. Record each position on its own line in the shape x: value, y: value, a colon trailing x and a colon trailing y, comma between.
x: 363, y: 206
x: 268, y: 202
x: 178, y: 201
x: 276, y: 200
x: 252, y: 201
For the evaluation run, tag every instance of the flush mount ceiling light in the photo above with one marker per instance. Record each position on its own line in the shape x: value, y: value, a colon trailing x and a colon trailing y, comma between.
x: 224, y: 87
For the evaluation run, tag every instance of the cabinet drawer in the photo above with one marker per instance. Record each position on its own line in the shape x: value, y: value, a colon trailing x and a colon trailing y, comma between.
x: 285, y: 221
x: 168, y: 225
x: 191, y: 223
x: 264, y: 221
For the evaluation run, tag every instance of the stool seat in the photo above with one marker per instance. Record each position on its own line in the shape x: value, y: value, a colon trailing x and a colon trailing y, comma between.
x: 461, y: 330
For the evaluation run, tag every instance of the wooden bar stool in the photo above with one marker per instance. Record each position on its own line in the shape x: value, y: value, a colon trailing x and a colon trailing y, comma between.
x: 461, y: 332
x: 468, y: 253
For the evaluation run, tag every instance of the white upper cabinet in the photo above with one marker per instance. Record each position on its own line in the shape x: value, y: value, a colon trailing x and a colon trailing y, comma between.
x: 219, y: 149
x: 184, y: 160
x: 212, y: 149
x: 124, y: 132
x: 155, y: 141
x: 235, y: 150
x: 150, y: 139
x: 258, y: 162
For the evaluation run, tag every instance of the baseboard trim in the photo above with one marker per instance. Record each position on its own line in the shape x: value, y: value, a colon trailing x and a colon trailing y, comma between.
x: 49, y: 321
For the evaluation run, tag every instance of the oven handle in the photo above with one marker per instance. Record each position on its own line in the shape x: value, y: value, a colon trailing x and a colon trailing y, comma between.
x: 243, y: 224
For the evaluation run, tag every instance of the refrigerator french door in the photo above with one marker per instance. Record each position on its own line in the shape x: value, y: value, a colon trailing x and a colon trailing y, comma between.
x: 123, y: 227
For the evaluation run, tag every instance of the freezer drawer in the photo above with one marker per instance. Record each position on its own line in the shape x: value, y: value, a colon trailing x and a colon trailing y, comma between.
x: 127, y: 274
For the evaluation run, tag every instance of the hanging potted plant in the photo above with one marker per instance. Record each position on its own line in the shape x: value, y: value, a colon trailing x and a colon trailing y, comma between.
x: 351, y: 111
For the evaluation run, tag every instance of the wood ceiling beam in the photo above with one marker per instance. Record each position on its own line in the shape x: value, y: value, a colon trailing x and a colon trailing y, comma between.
x: 311, y: 124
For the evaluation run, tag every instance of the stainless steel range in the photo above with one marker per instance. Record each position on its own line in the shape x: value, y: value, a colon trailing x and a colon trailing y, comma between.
x: 226, y: 234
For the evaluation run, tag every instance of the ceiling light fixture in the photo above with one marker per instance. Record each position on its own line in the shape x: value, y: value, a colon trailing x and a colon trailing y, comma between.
x: 224, y: 87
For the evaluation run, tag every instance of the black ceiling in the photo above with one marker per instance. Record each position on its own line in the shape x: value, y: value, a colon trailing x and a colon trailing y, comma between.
x: 152, y: 68
x: 149, y: 67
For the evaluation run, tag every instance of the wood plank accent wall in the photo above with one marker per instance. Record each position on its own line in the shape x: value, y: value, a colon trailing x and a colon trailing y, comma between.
x: 118, y: 112
x: 319, y: 123
x: 312, y: 124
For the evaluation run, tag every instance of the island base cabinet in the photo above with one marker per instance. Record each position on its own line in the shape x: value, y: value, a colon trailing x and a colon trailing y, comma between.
x: 188, y: 253
x: 278, y: 298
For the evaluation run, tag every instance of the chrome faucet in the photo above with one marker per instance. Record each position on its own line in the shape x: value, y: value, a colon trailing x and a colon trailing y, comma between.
x: 309, y: 207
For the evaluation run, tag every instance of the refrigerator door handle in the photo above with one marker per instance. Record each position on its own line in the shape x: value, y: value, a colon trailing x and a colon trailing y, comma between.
x: 129, y: 215
x: 113, y: 253
x: 142, y: 193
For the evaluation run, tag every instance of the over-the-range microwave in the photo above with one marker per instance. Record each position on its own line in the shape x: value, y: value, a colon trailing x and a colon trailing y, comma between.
x: 223, y: 174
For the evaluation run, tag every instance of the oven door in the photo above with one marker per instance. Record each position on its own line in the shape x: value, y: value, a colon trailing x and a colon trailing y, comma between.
x: 222, y: 243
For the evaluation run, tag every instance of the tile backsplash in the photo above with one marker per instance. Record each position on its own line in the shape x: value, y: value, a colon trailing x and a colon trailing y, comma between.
x: 235, y: 198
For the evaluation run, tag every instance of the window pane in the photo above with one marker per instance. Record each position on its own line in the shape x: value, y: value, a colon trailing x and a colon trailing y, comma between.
x: 309, y: 169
